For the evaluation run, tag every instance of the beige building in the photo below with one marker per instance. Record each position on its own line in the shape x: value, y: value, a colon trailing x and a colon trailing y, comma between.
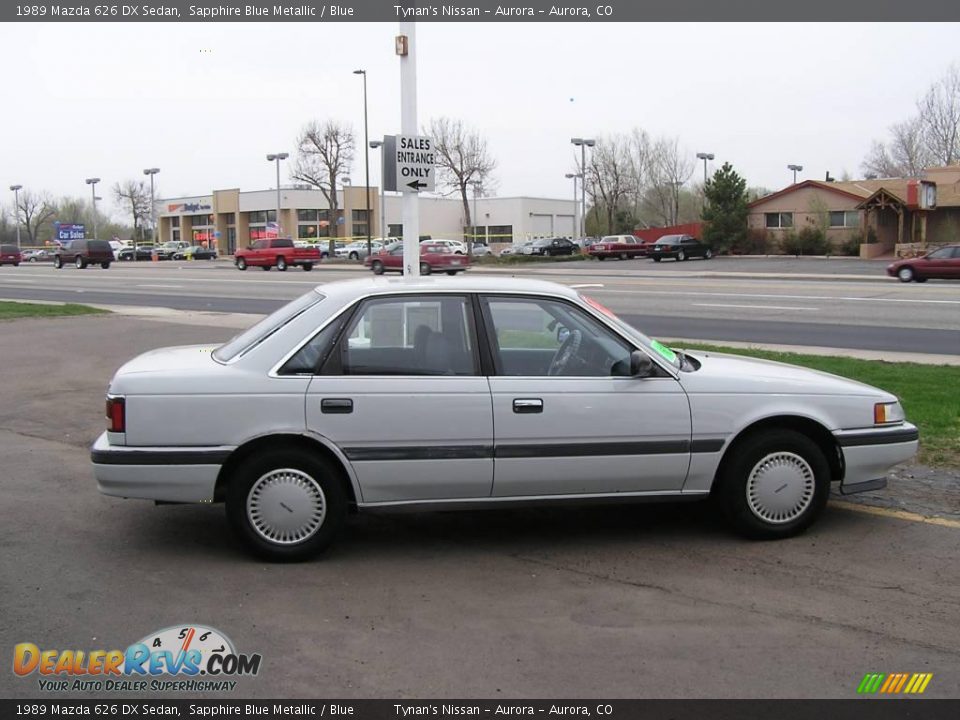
x: 887, y: 212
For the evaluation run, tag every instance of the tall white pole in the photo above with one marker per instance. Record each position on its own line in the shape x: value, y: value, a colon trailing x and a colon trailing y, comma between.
x: 408, y: 126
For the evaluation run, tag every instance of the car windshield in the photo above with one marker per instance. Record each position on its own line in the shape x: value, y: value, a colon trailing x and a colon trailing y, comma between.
x: 655, y: 347
x: 249, y: 339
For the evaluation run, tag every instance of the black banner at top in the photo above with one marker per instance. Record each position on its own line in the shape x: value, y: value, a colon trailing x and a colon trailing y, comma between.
x: 481, y: 11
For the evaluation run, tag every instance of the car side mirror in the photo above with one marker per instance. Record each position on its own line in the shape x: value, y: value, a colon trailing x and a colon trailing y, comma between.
x: 640, y: 364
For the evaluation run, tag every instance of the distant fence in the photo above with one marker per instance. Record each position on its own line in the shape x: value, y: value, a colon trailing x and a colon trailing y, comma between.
x: 653, y: 234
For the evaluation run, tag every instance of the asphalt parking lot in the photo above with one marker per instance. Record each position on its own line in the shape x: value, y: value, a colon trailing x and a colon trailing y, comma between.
x: 626, y: 601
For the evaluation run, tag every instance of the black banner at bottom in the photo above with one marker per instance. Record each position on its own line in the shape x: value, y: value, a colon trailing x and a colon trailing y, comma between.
x: 874, y: 709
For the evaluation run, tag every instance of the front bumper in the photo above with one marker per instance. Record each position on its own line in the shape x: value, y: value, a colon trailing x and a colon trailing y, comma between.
x: 870, y: 453
x: 168, y: 474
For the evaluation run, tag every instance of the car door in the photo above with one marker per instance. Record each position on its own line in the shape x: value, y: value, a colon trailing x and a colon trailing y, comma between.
x: 401, y: 395
x: 954, y: 262
x: 568, y: 420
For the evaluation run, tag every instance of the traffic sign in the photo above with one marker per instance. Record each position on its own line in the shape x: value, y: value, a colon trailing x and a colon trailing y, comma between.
x: 415, y: 163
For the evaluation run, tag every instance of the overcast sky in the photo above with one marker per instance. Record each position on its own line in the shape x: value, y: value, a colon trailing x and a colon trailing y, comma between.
x: 206, y: 102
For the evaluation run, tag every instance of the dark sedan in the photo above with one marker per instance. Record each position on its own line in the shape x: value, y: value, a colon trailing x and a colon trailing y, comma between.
x: 678, y: 247
x: 195, y: 252
x: 144, y: 252
x: 551, y: 246
x: 941, y: 263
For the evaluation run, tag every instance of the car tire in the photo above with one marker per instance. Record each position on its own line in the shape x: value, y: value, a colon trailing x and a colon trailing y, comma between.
x: 755, y: 476
x: 681, y: 256
x: 57, y: 262
x: 308, y: 488
x: 600, y: 257
x: 105, y: 265
x: 354, y: 255
x: 624, y: 256
x: 451, y: 272
x: 920, y: 279
x: 282, y: 264
x: 80, y: 262
x: 377, y: 267
x: 266, y: 268
x: 707, y: 254
x: 656, y: 259
x: 425, y: 268
x: 241, y: 264
x: 905, y: 274
x: 33, y: 260
x: 307, y: 267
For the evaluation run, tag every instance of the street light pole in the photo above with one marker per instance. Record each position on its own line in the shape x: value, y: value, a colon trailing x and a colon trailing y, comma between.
x: 366, y: 157
x: 796, y: 169
x: 16, y: 209
x: 374, y: 144
x: 92, y: 182
x: 406, y: 49
x: 704, y: 156
x: 583, y: 144
x: 576, y: 205
x: 277, y: 157
x: 476, y: 191
x: 153, y: 207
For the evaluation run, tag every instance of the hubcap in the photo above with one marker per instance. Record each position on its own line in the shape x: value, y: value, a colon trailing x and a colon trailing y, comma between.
x: 780, y: 487
x: 286, y: 506
x: 906, y: 273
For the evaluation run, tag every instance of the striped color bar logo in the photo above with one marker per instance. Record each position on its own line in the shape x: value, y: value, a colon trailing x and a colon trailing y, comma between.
x: 894, y: 683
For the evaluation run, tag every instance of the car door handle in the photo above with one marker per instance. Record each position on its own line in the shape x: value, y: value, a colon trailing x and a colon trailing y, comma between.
x: 528, y: 405
x: 336, y: 406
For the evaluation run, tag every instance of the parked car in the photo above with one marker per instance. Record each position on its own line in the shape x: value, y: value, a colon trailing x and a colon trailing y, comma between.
x: 358, y: 250
x: 434, y: 257
x: 167, y: 250
x: 618, y: 246
x: 279, y: 252
x: 678, y: 247
x: 143, y: 252
x: 457, y: 247
x: 37, y: 255
x: 10, y: 255
x: 551, y: 247
x: 943, y: 263
x: 82, y: 253
x: 195, y: 252
x: 309, y: 413
x: 515, y: 249
x: 480, y: 249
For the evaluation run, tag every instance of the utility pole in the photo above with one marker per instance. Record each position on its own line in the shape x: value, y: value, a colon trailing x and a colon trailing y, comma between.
x: 92, y: 182
x: 16, y: 209
x: 406, y: 48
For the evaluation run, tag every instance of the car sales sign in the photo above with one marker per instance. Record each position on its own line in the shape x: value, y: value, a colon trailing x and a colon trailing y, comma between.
x: 416, y: 163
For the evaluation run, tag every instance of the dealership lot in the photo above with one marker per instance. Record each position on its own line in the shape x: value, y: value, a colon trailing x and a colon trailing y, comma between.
x: 640, y: 601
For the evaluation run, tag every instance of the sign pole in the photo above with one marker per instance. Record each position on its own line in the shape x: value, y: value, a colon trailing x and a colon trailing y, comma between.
x: 407, y: 49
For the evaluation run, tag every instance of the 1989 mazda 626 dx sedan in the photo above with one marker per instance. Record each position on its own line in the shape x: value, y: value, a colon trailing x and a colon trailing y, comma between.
x: 439, y: 392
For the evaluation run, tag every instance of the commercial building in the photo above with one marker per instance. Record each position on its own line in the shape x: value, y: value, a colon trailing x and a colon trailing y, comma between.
x: 232, y: 218
x: 885, y: 212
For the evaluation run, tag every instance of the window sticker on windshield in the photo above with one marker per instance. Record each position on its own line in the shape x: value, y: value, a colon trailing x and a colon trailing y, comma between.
x: 664, y: 351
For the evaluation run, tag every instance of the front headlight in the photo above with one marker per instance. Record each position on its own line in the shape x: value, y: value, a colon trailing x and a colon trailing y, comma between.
x: 888, y: 413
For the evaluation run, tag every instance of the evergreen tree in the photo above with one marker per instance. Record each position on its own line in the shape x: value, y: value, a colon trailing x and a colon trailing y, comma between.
x: 725, y: 215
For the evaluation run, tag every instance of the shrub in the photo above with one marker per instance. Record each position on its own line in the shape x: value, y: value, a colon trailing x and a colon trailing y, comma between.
x: 756, y: 241
x: 850, y: 245
x: 809, y: 241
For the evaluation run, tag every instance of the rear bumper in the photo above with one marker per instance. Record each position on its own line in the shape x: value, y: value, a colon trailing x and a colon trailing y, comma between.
x: 186, y: 475
x: 869, y: 454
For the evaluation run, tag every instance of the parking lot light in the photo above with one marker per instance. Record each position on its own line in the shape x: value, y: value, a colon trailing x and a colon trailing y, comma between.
x: 277, y: 157
x: 16, y: 209
x: 796, y: 169
x: 92, y: 182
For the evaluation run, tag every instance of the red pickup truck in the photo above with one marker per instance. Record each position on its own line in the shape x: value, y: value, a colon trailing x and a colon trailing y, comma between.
x: 276, y: 251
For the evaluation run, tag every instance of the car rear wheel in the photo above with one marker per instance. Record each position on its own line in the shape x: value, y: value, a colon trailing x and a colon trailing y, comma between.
x: 424, y: 268
x: 681, y: 256
x: 451, y: 272
x: 354, y: 255
x: 656, y: 259
x: 105, y: 265
x: 57, y: 262
x: 307, y: 267
x: 79, y: 262
x: 775, y: 485
x: 241, y: 264
x: 286, y: 504
x: 707, y: 254
x: 33, y: 259
x: 266, y: 268
x: 282, y: 264
x: 377, y: 267
x: 624, y: 256
x: 905, y: 274
x: 600, y: 257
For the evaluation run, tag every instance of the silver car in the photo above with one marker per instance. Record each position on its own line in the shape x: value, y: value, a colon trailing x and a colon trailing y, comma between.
x: 477, y: 391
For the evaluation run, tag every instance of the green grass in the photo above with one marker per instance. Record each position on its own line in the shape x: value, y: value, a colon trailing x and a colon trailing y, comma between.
x: 524, y: 259
x: 14, y: 310
x: 930, y: 394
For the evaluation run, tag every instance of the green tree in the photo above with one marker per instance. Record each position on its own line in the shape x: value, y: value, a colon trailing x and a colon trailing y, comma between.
x: 726, y: 212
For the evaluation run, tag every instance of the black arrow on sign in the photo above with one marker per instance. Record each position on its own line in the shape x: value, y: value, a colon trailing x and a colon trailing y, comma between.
x: 416, y: 185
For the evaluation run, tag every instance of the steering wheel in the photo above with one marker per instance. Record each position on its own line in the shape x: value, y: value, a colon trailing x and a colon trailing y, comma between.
x: 565, y: 353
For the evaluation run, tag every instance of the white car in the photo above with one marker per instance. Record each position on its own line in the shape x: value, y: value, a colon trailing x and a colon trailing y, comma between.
x: 358, y: 250
x: 456, y: 246
x: 474, y: 391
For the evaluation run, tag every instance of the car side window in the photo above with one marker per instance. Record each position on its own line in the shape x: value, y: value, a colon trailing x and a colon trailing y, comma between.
x: 412, y: 335
x: 538, y: 337
x: 941, y: 254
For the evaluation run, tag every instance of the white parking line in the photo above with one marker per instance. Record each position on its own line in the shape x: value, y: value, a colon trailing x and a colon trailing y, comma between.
x: 754, y: 307
x: 162, y: 287
x: 14, y: 279
x: 834, y: 298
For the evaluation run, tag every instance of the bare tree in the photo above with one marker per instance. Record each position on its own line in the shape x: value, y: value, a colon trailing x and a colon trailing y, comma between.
x: 134, y: 198
x: 940, y: 115
x: 462, y: 158
x: 611, y: 176
x: 670, y: 168
x: 32, y: 212
x: 905, y: 155
x: 324, y: 155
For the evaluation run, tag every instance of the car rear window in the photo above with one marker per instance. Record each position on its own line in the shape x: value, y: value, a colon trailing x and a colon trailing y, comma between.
x: 8, y: 249
x: 99, y: 246
x: 282, y: 242
x: 249, y: 339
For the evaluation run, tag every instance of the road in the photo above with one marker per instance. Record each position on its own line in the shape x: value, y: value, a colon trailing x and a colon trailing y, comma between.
x: 611, y: 602
x: 690, y: 300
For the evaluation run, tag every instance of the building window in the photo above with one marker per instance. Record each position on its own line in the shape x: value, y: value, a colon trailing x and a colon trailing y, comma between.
x: 500, y: 233
x: 196, y: 220
x: 394, y: 230
x: 779, y: 220
x: 360, y: 230
x: 261, y: 216
x: 844, y: 219
x: 359, y: 216
x: 312, y: 215
x: 309, y: 232
x: 175, y: 221
x: 477, y: 233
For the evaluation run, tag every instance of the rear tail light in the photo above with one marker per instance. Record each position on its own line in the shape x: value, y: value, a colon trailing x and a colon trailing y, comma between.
x: 116, y: 414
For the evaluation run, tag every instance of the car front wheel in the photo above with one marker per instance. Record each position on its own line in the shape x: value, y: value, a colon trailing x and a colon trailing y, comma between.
x: 681, y: 256
x: 424, y: 268
x: 307, y: 267
x: 282, y: 264
x: 105, y: 265
x: 707, y: 254
x: 79, y: 262
x: 286, y: 504
x: 905, y: 274
x: 241, y: 264
x: 377, y: 267
x: 656, y: 259
x: 775, y: 485
x: 57, y: 262
x: 353, y: 255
